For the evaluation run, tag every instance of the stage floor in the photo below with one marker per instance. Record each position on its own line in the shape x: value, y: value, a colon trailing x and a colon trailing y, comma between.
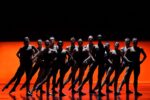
x: 143, y: 88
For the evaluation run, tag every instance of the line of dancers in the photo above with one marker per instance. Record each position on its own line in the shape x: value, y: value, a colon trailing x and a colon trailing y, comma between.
x: 53, y: 58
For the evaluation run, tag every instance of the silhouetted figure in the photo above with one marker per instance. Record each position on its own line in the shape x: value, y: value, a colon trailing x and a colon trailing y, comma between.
x: 52, y: 43
x: 48, y: 56
x: 133, y: 54
x: 116, y: 58
x: 25, y: 54
x: 55, y: 68
x: 107, y: 64
x: 99, y: 61
x: 50, y: 62
x: 65, y: 69
x: 80, y: 56
x: 38, y: 64
x: 61, y: 63
x: 71, y: 62
x: 125, y: 64
x: 89, y: 61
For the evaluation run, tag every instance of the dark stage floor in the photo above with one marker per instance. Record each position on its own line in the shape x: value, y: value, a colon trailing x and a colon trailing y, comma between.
x: 143, y: 88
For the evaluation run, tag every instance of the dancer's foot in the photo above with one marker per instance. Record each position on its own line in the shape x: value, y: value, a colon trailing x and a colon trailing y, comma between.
x: 82, y: 93
x: 6, y: 86
x: 23, y: 86
x: 117, y: 93
x: 12, y: 90
x: 95, y: 88
x: 110, y: 84
x: 138, y: 93
x: 129, y: 92
x: 42, y: 91
x: 74, y: 91
x: 101, y: 94
x: 62, y: 94
x: 79, y: 88
x: 70, y: 87
x: 55, y: 92
x: 109, y: 91
x: 92, y: 92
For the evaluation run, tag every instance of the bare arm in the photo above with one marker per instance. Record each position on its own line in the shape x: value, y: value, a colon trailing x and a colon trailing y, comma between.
x: 55, y: 53
x: 38, y: 54
x: 34, y: 50
x: 109, y: 61
x: 18, y: 54
x: 70, y: 54
x: 144, y: 56
x: 86, y: 60
x: 125, y: 56
x: 90, y: 55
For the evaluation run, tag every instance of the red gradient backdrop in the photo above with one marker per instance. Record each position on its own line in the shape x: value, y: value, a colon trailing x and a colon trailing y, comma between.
x: 9, y: 62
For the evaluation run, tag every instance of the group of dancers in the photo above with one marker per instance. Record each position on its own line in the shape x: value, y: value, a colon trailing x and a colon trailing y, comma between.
x: 53, y: 58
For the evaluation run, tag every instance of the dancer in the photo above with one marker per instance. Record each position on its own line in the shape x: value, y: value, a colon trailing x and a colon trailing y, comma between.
x: 133, y: 54
x: 89, y: 61
x: 54, y: 66
x: 38, y: 64
x: 99, y: 61
x: 25, y: 54
x: 59, y: 57
x: 71, y: 62
x: 107, y: 64
x: 81, y: 55
x: 125, y: 64
x: 48, y: 57
x: 61, y: 63
x: 116, y: 64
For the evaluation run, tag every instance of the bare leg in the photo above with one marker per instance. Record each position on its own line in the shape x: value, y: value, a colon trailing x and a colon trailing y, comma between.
x: 33, y: 71
x: 62, y: 74
x: 101, y: 73
x: 21, y: 72
x: 54, y: 79
x: 126, y: 80
x: 136, y: 75
x: 110, y: 71
x: 88, y: 77
x: 116, y: 81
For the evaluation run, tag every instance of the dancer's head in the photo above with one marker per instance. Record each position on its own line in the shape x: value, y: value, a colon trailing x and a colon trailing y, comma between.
x: 72, y: 40
x: 60, y: 44
x: 26, y: 41
x: 90, y: 39
x: 107, y: 46
x: 52, y: 40
x: 116, y: 45
x: 47, y: 43
x: 99, y: 37
x: 80, y: 42
x: 127, y: 42
x: 135, y: 42
x: 39, y: 42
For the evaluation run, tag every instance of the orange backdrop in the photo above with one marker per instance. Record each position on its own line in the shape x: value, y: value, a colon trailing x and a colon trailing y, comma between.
x: 9, y: 62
